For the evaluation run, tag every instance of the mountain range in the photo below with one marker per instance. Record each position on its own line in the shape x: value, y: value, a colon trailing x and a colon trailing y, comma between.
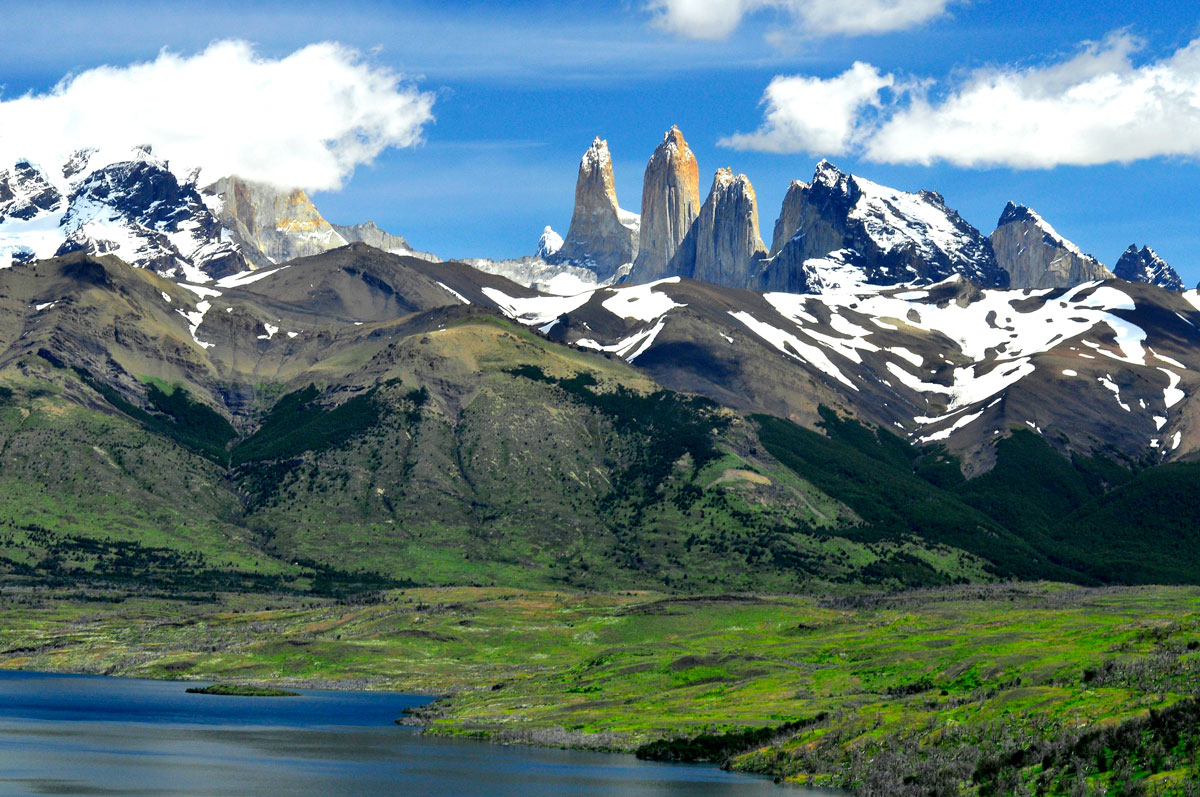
x: 133, y: 205
x: 214, y: 387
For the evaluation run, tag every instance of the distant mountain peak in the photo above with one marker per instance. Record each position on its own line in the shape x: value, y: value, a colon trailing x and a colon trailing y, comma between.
x: 129, y: 202
x: 602, y: 237
x: 723, y: 245
x: 549, y: 243
x: 1146, y: 266
x: 1043, y: 260
x: 831, y: 176
x: 841, y: 222
x: 670, y: 204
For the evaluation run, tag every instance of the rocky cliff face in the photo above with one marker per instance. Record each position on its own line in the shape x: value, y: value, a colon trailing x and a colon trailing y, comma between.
x: 602, y: 237
x: 273, y: 225
x: 25, y: 192
x: 723, y: 245
x: 670, y: 203
x: 1146, y: 266
x: 131, y: 204
x: 140, y: 211
x: 842, y: 223
x: 370, y: 234
x: 1036, y: 256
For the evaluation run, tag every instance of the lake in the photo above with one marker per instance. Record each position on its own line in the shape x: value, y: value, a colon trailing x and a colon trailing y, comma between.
x: 76, y: 734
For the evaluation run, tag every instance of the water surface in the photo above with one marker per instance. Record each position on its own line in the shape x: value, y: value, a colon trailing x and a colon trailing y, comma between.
x: 72, y: 734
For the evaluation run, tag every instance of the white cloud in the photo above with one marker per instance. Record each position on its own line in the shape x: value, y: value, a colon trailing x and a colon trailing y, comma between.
x: 1096, y: 107
x: 304, y: 120
x: 716, y: 19
x: 806, y: 114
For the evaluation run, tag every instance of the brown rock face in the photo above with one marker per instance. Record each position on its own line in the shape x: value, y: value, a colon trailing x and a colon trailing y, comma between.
x: 370, y: 234
x: 791, y: 216
x: 273, y: 226
x: 670, y: 203
x: 1035, y: 256
x: 602, y: 237
x: 723, y: 245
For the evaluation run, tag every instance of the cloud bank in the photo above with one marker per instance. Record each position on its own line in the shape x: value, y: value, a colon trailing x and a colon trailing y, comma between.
x: 304, y: 120
x: 1094, y: 108
x: 717, y: 19
x: 811, y: 114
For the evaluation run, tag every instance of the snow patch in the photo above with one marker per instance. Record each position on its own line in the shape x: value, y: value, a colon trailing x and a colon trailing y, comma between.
x: 247, y: 277
x: 641, y: 302
x: 793, y: 347
x: 632, y: 347
x: 535, y: 310
x: 1172, y: 395
x: 945, y: 433
x: 194, y: 319
x: 453, y: 293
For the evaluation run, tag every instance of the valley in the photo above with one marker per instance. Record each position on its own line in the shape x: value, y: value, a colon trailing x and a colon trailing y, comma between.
x: 889, y: 506
x: 978, y: 688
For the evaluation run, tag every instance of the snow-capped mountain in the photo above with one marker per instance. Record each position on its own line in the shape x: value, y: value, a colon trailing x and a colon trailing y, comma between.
x: 1103, y: 365
x: 139, y: 211
x: 25, y: 193
x: 1036, y: 256
x: 1098, y: 364
x: 131, y: 204
x: 128, y: 204
x: 1145, y: 265
x: 840, y: 223
x: 549, y: 243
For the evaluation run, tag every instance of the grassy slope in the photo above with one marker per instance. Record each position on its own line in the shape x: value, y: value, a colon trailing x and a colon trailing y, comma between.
x: 880, y: 688
x: 515, y: 462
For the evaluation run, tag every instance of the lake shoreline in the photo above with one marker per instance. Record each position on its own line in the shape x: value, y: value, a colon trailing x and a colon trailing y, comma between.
x: 808, y: 688
x: 106, y: 720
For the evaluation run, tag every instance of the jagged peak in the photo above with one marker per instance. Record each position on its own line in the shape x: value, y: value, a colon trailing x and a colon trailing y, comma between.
x: 1145, y: 265
x: 1014, y: 213
x: 726, y: 181
x: 549, y: 242
x: 597, y: 155
x: 674, y: 142
x: 825, y: 166
x: 830, y: 176
x: 933, y: 197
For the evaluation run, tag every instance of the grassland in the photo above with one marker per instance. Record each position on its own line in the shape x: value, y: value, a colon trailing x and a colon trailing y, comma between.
x: 242, y: 690
x: 992, y: 689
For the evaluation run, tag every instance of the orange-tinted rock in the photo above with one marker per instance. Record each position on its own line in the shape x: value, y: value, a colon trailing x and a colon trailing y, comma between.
x: 273, y: 225
x: 602, y: 237
x: 670, y: 203
x: 723, y: 245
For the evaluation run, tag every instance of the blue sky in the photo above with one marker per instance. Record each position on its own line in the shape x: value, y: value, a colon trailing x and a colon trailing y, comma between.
x: 519, y: 92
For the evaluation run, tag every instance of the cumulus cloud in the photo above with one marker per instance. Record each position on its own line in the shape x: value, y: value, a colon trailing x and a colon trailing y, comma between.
x: 1093, y: 108
x: 716, y: 19
x: 304, y: 120
x: 806, y: 114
